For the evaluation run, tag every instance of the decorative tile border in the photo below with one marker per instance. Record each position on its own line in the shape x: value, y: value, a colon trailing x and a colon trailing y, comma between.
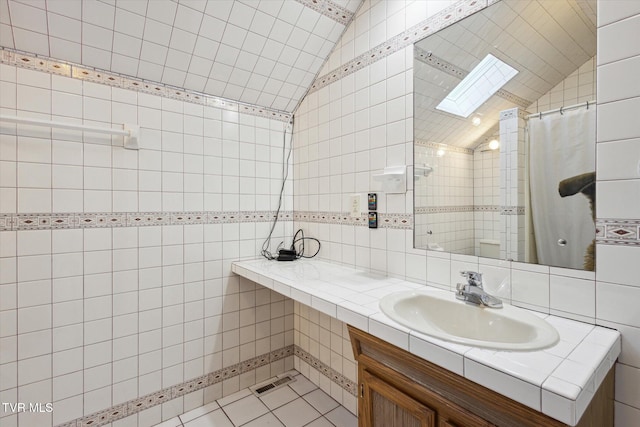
x: 618, y: 232
x: 388, y: 220
x: 68, y: 69
x: 450, y: 148
x: 429, y: 26
x: 329, y: 9
x: 503, y: 210
x: 140, y: 404
x: 327, y: 371
x: 52, y: 221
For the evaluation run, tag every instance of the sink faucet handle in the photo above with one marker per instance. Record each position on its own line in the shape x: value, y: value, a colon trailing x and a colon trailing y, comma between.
x: 474, y: 278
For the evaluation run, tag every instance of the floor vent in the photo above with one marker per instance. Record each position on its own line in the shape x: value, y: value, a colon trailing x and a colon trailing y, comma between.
x: 261, y: 390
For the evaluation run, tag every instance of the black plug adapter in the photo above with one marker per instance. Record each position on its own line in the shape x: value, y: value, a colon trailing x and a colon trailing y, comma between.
x: 287, y: 255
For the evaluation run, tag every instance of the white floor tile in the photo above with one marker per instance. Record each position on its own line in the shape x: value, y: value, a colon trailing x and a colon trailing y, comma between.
x: 341, y: 417
x: 279, y: 397
x: 198, y: 412
x: 297, y: 413
x: 244, y: 410
x: 320, y: 422
x: 302, y: 385
x: 321, y: 401
x: 173, y: 422
x: 235, y: 396
x: 215, y: 418
x: 267, y: 420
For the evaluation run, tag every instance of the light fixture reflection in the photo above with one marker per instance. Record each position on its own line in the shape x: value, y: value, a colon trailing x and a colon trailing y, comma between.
x: 494, y: 144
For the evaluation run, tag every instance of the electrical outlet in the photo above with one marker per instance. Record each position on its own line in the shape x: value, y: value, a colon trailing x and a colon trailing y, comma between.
x: 354, y: 211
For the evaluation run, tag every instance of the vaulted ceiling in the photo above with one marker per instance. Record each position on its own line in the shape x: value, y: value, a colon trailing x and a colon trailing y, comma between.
x: 261, y: 52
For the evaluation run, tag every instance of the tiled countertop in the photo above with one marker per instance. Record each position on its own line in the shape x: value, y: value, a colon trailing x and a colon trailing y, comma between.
x: 559, y: 381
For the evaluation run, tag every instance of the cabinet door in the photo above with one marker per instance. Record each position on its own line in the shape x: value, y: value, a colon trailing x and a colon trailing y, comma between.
x: 386, y: 406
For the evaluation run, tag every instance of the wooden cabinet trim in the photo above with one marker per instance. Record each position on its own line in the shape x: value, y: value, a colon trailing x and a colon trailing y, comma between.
x: 410, y: 374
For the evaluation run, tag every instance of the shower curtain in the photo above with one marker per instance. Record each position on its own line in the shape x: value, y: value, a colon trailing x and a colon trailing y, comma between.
x: 561, y: 146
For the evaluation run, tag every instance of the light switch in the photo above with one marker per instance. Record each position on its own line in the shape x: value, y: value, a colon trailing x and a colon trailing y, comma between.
x: 354, y: 212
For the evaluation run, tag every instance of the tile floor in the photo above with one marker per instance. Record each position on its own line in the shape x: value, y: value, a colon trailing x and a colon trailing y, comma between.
x: 300, y: 403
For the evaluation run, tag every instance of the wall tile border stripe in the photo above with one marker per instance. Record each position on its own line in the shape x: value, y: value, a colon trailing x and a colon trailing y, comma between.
x: 327, y: 371
x: 134, y: 406
x: 618, y: 232
x: 68, y: 69
x: 436, y: 145
x: 330, y: 10
x: 504, y: 210
x: 429, y: 26
x: 53, y: 221
x: 385, y: 220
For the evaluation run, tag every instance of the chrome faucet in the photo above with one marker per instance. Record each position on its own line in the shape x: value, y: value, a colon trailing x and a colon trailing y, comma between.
x: 473, y: 292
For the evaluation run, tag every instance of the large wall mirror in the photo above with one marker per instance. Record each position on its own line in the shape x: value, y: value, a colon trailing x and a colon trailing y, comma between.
x: 504, y: 134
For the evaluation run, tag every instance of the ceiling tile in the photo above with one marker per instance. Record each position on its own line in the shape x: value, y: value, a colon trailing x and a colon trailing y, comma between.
x: 98, y: 13
x: 241, y: 15
x: 264, y: 66
x: 206, y: 48
x: 281, y: 31
x: 246, y: 61
x: 219, y: 9
x: 188, y: 19
x: 212, y: 28
x: 262, y: 23
x: 65, y: 49
x: 271, y: 7
x: 200, y: 66
x: 239, y: 77
x: 129, y: 23
x: 135, y: 6
x: 173, y: 77
x: 227, y: 55
x: 234, y: 36
x: 254, y: 43
x: 30, y: 41
x: 64, y: 27
x: 182, y: 40
x: 6, y: 36
x: 308, y: 18
x: 95, y: 36
x: 272, y: 49
x: 291, y: 12
x: 28, y: 17
x: 124, y: 64
x: 220, y: 71
x: 96, y: 57
x: 289, y: 55
x: 298, y: 38
x: 69, y: 8
x: 178, y: 60
x: 215, y: 87
x: 199, y: 5
x: 195, y: 82
x: 155, y: 53
x: 126, y: 45
x: 149, y: 71
x: 163, y: 11
x: 256, y: 82
x: 157, y: 32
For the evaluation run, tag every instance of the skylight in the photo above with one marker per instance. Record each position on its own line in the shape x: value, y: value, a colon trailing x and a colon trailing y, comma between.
x: 479, y: 85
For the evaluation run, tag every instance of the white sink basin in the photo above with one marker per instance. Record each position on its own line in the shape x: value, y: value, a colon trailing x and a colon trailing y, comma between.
x: 441, y: 315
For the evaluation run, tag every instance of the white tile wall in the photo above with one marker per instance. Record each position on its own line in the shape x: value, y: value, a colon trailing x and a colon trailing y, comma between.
x: 604, y: 302
x: 95, y: 317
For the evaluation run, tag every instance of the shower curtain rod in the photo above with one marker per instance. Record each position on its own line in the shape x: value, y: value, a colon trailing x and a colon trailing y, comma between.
x: 130, y: 132
x: 561, y: 110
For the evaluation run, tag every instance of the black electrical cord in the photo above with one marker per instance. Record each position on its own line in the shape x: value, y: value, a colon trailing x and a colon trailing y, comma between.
x: 300, y: 251
x: 265, y: 252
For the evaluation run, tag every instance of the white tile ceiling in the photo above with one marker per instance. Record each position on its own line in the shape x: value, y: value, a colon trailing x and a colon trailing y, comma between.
x: 261, y: 52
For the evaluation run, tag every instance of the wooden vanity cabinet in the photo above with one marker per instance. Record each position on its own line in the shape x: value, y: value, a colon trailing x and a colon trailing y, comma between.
x: 399, y: 389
